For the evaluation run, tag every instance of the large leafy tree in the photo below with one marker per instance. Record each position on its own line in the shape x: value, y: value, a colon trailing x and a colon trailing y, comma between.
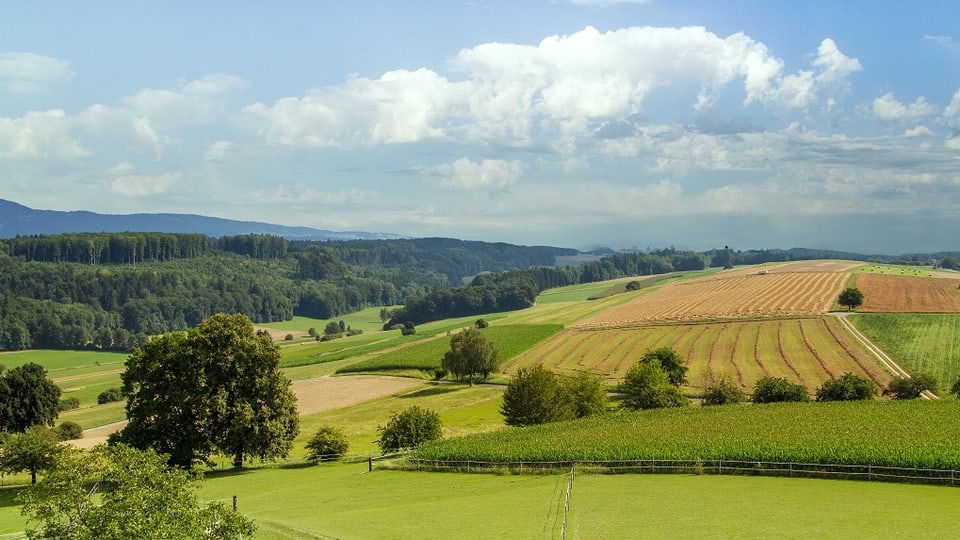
x: 27, y: 398
x: 410, y: 428
x: 117, y: 493
x: 670, y: 362
x: 216, y: 387
x: 34, y: 450
x: 470, y: 354
x: 851, y: 298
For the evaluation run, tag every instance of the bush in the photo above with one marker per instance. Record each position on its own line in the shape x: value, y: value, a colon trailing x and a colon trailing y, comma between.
x: 354, y: 331
x: 670, y: 362
x: 647, y: 386
x: 109, y: 396
x: 535, y: 396
x: 332, y: 328
x: 633, y: 286
x: 481, y: 324
x: 330, y: 337
x: 901, y: 388
x: 409, y: 429
x: 587, y: 394
x: 408, y: 329
x: 778, y: 389
x: 848, y: 387
x: 722, y: 391
x: 439, y: 374
x: 328, y: 444
x: 288, y: 337
x: 955, y: 389
x: 68, y: 404
x: 312, y: 332
x: 68, y: 431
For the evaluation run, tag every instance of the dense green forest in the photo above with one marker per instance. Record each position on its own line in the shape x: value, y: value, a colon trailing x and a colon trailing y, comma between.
x: 112, y: 290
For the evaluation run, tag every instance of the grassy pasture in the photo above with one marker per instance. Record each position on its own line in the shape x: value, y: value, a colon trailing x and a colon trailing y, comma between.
x: 897, y: 270
x: 61, y: 363
x: 918, y: 342
x: 881, y: 433
x: 808, y: 351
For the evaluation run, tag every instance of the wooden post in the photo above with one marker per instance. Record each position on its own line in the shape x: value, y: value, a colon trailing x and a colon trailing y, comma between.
x: 234, y: 503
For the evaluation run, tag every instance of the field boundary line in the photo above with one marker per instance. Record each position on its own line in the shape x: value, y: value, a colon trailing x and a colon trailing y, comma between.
x: 878, y: 473
x: 566, y: 504
x: 878, y: 353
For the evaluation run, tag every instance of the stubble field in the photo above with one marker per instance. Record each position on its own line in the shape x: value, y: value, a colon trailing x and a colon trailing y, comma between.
x: 908, y: 294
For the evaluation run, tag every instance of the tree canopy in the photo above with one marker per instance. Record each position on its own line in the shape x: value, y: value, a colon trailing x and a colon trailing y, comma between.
x: 34, y: 450
x: 910, y: 387
x: 27, y: 398
x: 216, y: 387
x: 118, y: 493
x: 670, y: 362
x: 535, y: 396
x: 647, y: 386
x: 851, y: 298
x: 777, y: 389
x: 410, y: 428
x: 848, y: 387
x: 470, y: 354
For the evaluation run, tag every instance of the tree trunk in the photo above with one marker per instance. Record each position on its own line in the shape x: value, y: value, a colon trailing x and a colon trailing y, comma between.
x: 33, y: 476
x: 238, y: 459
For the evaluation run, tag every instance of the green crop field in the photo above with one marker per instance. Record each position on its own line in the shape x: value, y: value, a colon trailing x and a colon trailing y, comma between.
x: 920, y: 343
x: 882, y: 433
x: 895, y: 270
x: 807, y: 351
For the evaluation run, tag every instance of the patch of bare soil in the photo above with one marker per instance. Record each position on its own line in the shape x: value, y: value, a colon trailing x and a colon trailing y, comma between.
x: 313, y: 396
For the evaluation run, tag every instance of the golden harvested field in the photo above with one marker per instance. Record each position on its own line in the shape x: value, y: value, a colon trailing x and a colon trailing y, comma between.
x: 771, y: 294
x: 908, y: 294
x: 807, y: 350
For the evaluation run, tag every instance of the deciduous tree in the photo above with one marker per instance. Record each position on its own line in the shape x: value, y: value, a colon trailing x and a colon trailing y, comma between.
x: 670, y: 362
x: 27, y: 398
x: 777, y: 389
x: 647, y: 386
x: 470, y: 354
x: 409, y: 429
x: 851, y: 298
x: 535, y: 396
x: 218, y: 386
x: 910, y: 387
x: 118, y: 493
x: 848, y: 387
x: 34, y: 450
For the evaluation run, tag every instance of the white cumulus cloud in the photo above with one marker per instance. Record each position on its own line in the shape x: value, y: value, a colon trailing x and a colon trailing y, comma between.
x: 24, y: 72
x: 488, y: 174
x: 888, y: 109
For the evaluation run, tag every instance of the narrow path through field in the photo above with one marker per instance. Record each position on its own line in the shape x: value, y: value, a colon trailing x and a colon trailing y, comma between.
x: 878, y: 352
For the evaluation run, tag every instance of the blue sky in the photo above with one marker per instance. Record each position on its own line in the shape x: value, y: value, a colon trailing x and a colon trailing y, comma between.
x: 571, y: 123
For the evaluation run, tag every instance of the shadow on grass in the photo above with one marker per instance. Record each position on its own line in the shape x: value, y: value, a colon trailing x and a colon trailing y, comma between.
x: 436, y: 390
x: 8, y: 494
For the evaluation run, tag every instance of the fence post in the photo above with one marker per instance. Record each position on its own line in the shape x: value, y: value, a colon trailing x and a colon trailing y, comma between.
x: 370, y: 464
x: 234, y: 503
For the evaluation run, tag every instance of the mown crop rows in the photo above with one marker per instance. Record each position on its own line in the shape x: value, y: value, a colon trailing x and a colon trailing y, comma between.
x: 880, y: 433
x: 908, y: 294
x: 735, y: 296
x: 808, y: 351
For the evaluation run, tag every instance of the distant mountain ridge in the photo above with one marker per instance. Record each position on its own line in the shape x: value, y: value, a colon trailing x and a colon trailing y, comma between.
x: 19, y: 220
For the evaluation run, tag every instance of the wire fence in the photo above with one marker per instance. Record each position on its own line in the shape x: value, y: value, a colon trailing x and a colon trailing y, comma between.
x: 944, y: 477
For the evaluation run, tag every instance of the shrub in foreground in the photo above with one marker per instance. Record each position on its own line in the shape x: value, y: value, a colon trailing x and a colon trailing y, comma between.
x: 722, y: 391
x: 408, y: 429
x: 327, y: 444
x: 910, y: 388
x: 647, y: 386
x: 778, y: 389
x: 848, y: 387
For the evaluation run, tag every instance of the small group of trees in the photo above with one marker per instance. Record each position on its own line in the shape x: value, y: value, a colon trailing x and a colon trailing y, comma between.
x: 538, y: 396
x: 471, y: 355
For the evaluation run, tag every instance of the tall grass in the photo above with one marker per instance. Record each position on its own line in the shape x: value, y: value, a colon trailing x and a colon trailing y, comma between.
x: 918, y: 342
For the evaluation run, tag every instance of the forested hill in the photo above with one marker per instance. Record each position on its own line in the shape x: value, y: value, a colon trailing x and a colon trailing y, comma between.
x: 19, y: 220
x: 111, y: 291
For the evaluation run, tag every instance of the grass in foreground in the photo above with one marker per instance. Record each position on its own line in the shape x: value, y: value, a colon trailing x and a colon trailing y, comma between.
x: 881, y: 433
